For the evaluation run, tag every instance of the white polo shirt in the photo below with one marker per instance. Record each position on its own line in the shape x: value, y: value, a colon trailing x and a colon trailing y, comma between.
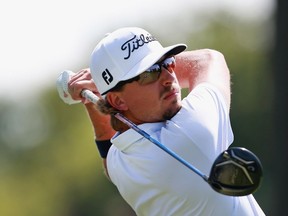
x: 155, y: 184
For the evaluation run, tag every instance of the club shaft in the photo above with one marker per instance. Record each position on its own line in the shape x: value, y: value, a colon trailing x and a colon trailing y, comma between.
x: 93, y: 98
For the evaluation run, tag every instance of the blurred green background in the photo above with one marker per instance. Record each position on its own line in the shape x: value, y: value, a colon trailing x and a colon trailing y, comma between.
x: 49, y: 165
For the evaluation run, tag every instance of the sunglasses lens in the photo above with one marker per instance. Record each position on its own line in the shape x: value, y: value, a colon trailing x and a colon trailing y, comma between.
x: 154, y: 68
x: 169, y: 64
x: 150, y: 75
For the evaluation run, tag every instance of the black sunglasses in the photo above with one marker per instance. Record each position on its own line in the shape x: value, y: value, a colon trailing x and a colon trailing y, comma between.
x: 150, y: 75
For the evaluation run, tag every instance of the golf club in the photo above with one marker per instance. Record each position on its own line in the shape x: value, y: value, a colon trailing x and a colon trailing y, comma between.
x: 235, y: 172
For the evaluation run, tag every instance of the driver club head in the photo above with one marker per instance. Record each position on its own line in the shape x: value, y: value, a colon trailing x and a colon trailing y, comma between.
x: 236, y: 172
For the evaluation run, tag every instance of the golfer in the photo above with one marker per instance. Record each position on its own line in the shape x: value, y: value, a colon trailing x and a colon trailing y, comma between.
x: 135, y: 75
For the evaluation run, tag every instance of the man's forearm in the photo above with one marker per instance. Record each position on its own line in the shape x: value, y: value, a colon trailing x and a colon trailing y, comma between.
x: 191, y: 67
x: 205, y: 65
x: 100, y: 122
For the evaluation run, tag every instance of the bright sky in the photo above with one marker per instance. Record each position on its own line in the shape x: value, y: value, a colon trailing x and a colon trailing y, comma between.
x: 41, y: 38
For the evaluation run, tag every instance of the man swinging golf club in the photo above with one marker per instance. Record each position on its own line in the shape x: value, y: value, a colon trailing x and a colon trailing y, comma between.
x: 135, y: 76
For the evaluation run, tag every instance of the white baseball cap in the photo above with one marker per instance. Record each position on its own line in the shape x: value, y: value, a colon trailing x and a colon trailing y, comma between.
x: 124, y: 54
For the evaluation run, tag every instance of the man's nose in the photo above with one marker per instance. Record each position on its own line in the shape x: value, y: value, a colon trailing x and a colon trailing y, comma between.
x: 167, y: 76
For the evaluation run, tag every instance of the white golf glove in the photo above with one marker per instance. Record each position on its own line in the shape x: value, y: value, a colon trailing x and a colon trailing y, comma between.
x: 62, y: 87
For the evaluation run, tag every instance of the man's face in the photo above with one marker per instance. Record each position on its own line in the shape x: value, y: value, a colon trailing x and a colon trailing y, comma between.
x: 154, y: 102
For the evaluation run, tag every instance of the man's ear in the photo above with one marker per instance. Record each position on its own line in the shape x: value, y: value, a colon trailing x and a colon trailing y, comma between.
x: 116, y: 101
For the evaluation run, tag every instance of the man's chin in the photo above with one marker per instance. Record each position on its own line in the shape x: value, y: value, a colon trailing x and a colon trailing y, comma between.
x: 170, y: 113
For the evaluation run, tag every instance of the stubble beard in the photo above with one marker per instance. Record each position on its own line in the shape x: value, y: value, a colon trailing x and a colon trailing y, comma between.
x: 171, y: 112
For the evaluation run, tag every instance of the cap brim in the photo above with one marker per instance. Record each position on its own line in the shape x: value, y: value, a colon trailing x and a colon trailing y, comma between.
x: 152, y: 58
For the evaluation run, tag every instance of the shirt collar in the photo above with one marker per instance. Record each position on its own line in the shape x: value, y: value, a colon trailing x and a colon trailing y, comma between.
x: 124, y: 140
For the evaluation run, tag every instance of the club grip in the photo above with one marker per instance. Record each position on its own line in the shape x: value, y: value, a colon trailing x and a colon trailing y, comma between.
x: 89, y: 95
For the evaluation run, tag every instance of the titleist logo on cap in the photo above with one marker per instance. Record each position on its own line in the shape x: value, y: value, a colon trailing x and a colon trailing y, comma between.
x: 135, y: 43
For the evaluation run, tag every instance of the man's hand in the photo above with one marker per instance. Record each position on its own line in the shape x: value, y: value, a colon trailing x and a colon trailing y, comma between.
x: 80, y: 81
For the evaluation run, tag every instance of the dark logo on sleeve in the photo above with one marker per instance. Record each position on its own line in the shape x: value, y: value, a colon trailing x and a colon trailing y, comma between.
x: 108, y: 78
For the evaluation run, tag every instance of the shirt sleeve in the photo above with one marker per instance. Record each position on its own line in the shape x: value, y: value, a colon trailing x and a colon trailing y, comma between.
x: 204, y: 118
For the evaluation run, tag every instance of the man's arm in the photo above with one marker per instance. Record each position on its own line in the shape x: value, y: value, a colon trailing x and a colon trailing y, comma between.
x: 205, y: 65
x: 101, y: 125
x: 100, y: 122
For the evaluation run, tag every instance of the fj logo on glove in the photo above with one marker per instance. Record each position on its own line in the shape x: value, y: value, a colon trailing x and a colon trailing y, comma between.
x: 108, y: 78
x: 135, y: 43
